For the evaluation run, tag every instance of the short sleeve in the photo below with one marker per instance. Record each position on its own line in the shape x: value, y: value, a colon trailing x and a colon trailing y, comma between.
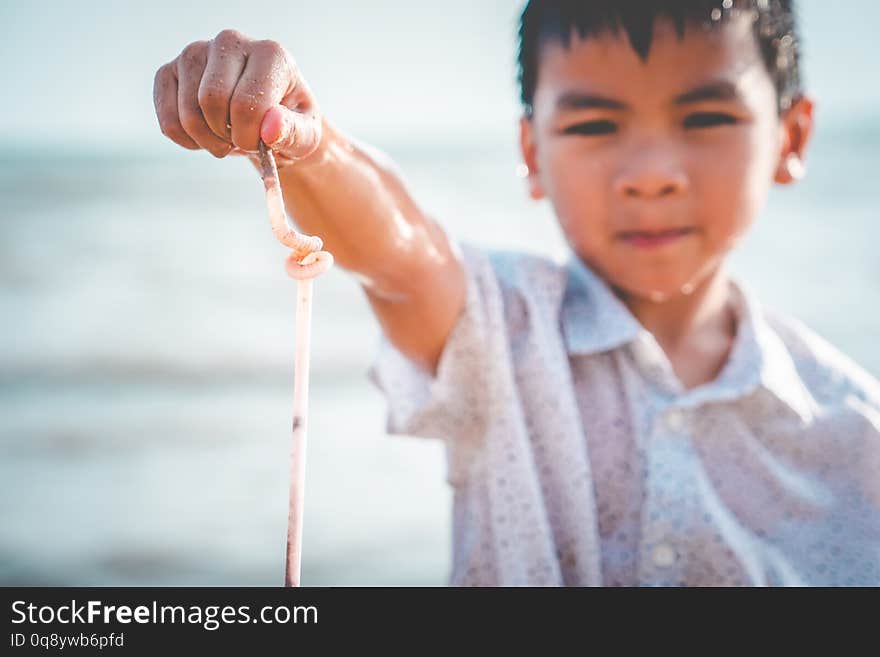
x: 450, y: 406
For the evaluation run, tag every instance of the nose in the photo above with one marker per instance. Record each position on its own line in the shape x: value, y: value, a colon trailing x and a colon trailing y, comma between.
x: 651, y: 175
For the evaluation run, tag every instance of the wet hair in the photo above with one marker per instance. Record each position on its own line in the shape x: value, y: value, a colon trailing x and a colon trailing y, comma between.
x: 774, y: 27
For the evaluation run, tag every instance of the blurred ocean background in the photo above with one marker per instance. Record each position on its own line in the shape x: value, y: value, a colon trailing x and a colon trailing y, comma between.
x: 146, y: 359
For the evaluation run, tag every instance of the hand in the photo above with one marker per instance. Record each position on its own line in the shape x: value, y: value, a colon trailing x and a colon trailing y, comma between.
x: 223, y: 95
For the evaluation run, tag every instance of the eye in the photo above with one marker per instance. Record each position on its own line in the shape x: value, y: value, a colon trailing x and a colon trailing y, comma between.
x: 708, y: 119
x: 591, y: 128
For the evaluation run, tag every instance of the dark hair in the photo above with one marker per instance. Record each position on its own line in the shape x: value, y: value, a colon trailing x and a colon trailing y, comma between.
x: 774, y: 27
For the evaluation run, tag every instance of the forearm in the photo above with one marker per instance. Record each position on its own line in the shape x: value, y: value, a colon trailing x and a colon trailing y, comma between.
x: 358, y: 205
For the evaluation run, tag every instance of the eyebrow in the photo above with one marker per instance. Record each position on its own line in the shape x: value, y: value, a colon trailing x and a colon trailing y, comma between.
x: 715, y: 90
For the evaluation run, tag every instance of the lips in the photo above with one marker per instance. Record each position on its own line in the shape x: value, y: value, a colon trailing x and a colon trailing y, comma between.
x: 653, y: 238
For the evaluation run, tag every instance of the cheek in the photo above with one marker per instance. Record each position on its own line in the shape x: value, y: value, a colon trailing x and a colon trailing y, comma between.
x: 733, y: 178
x: 575, y: 183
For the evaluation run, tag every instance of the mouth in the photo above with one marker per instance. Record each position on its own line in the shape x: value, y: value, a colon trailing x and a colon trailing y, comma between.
x: 648, y: 239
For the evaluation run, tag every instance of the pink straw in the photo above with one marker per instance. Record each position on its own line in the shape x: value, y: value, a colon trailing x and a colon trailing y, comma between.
x: 312, y: 262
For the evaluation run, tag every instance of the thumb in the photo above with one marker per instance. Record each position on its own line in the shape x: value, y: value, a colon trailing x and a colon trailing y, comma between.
x: 291, y: 134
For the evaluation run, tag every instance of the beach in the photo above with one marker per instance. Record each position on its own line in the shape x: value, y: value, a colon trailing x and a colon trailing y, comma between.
x: 146, y: 367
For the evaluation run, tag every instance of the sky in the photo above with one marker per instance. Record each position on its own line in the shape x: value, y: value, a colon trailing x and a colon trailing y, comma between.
x: 82, y: 73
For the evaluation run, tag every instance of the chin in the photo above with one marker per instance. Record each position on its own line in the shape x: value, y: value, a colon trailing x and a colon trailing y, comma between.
x: 657, y: 288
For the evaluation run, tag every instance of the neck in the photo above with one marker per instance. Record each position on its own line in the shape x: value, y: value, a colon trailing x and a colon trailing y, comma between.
x: 681, y: 317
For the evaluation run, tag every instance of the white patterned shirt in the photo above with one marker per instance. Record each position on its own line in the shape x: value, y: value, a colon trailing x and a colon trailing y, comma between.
x: 577, y: 458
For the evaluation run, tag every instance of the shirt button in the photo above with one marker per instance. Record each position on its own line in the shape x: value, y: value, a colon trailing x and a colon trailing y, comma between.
x: 674, y: 420
x: 664, y: 555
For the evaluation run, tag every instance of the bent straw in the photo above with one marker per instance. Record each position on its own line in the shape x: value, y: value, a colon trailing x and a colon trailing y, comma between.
x: 312, y: 262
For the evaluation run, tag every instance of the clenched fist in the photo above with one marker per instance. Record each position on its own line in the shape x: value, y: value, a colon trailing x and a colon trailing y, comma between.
x: 223, y: 95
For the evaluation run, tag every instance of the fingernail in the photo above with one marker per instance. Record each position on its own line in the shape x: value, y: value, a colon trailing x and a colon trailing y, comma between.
x: 284, y: 134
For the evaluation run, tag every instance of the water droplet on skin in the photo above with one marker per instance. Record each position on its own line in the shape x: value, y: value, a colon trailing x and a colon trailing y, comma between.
x: 687, y: 288
x: 656, y: 296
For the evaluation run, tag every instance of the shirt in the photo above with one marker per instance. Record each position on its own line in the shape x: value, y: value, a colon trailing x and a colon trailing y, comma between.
x: 577, y: 458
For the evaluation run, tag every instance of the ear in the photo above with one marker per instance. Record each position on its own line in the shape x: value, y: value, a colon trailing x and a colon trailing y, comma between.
x: 797, y: 127
x: 528, y: 148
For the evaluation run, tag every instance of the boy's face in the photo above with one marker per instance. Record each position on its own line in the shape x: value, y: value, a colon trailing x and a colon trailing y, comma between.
x: 620, y: 149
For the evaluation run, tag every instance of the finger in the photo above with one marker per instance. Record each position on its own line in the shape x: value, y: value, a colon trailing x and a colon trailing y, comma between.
x: 165, y: 102
x: 225, y: 63
x: 190, y: 66
x: 291, y: 133
x: 268, y: 77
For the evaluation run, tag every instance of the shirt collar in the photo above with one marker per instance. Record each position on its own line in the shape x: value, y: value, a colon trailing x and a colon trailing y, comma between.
x: 594, y: 319
x: 761, y: 359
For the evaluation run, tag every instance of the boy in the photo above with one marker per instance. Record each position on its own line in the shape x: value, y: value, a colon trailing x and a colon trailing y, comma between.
x: 634, y: 417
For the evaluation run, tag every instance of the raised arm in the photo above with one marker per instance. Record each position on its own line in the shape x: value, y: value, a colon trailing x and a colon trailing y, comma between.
x: 225, y: 94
